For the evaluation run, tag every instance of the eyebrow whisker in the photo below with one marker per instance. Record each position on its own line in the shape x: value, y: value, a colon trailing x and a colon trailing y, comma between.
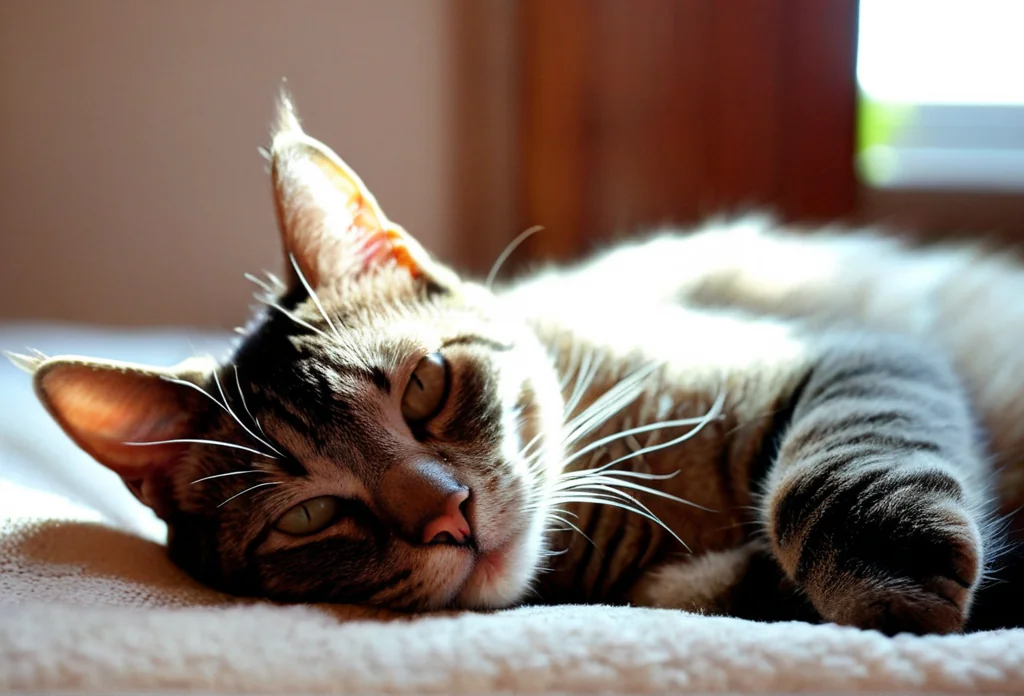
x: 250, y: 488
x: 197, y: 441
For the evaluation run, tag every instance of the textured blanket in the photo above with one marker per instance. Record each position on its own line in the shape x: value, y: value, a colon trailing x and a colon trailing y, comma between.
x: 89, y: 602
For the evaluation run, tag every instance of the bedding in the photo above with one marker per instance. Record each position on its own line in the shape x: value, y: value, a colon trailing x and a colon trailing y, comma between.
x: 89, y: 602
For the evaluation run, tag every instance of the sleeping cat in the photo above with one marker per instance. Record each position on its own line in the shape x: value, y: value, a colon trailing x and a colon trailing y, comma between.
x: 740, y: 421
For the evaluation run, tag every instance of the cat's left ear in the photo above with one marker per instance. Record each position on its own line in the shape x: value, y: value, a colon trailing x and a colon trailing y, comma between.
x: 330, y: 222
x: 134, y: 419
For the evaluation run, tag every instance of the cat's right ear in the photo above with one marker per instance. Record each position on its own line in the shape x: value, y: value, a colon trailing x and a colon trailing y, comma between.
x: 128, y: 417
x: 331, y: 224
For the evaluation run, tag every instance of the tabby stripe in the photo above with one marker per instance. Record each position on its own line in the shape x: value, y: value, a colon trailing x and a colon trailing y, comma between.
x: 370, y: 590
x: 590, y: 547
x: 850, y: 530
x: 913, y: 552
x: 833, y: 520
x: 813, y: 487
x: 884, y: 442
x: 637, y: 564
x: 612, y: 551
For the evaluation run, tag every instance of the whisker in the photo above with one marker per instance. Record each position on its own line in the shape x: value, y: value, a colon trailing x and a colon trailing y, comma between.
x: 250, y: 488
x: 524, y: 452
x: 598, y: 499
x: 584, y: 378
x: 570, y: 368
x: 607, y: 405
x: 259, y: 281
x: 700, y: 422
x: 598, y: 488
x: 230, y: 473
x: 234, y: 416
x: 241, y: 394
x: 552, y: 554
x: 195, y: 441
x: 503, y: 256
x: 274, y: 305
x: 598, y: 444
x: 579, y: 531
x: 313, y: 296
x: 191, y: 385
x: 211, y: 397
x: 598, y: 479
x: 277, y: 282
x: 638, y: 474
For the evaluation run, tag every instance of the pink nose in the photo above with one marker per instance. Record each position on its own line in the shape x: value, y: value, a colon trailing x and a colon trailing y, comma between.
x: 451, y: 524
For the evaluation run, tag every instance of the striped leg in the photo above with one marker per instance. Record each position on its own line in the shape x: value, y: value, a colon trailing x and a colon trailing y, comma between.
x: 874, y: 506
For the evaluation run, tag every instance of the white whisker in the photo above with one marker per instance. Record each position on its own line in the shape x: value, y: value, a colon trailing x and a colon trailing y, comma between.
x: 598, y: 499
x: 713, y: 413
x: 638, y: 474
x: 241, y: 394
x: 604, y: 481
x: 313, y: 296
x: 234, y: 416
x: 196, y: 441
x: 259, y: 281
x: 570, y: 369
x: 607, y: 405
x: 274, y: 305
x: 585, y: 377
x: 579, y: 531
x: 525, y: 451
x: 503, y: 256
x: 250, y: 488
x: 277, y: 282
x: 230, y: 473
x: 597, y: 444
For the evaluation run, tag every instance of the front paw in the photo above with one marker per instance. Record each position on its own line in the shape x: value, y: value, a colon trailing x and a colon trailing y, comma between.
x: 892, y: 552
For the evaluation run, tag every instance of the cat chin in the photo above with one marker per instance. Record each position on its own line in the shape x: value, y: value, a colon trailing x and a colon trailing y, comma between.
x: 501, y: 577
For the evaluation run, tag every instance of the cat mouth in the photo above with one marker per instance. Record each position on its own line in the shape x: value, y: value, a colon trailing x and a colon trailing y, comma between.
x: 487, y: 583
x: 492, y: 563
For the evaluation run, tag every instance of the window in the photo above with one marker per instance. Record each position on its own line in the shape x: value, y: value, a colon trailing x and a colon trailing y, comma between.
x: 941, y: 94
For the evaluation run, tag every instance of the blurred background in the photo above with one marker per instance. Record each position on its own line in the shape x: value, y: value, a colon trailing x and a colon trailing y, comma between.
x: 132, y: 193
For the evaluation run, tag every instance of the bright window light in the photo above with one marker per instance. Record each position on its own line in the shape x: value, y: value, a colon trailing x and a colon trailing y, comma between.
x: 942, y: 93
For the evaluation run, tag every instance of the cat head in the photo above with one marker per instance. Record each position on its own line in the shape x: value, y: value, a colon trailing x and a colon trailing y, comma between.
x: 384, y: 432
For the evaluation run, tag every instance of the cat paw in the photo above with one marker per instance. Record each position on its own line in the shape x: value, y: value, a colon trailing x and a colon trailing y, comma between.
x: 904, y: 561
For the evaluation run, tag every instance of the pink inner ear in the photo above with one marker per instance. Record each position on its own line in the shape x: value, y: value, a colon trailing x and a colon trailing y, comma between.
x: 330, y: 221
x: 103, y: 408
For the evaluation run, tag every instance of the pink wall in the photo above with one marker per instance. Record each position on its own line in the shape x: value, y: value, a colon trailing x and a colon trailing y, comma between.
x: 131, y: 189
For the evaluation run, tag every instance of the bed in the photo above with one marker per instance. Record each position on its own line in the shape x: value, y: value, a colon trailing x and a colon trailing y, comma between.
x: 89, y: 603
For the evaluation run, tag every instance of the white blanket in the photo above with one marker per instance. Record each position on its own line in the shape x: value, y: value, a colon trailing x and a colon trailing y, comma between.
x: 89, y: 602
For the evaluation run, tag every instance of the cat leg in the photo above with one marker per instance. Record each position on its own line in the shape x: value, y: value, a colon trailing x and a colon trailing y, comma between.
x: 744, y: 582
x: 875, y: 505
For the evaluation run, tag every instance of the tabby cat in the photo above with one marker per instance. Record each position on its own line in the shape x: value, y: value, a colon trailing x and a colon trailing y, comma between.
x: 740, y: 420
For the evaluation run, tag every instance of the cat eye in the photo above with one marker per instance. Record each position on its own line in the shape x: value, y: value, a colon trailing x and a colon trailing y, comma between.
x: 309, y: 517
x: 425, y: 394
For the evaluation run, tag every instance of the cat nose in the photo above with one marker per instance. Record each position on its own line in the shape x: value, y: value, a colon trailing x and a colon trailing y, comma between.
x: 450, y: 525
x: 425, y: 502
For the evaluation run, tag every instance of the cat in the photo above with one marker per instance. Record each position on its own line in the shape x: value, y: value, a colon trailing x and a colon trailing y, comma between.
x: 739, y: 420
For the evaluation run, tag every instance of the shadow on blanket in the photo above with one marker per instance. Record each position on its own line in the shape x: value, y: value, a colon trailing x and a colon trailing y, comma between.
x: 89, y: 563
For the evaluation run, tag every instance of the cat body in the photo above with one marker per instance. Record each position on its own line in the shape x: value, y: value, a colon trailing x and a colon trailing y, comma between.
x: 757, y: 308
x: 741, y: 420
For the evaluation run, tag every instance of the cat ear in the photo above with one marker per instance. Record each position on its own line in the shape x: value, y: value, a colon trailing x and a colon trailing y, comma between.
x: 331, y: 224
x: 122, y: 414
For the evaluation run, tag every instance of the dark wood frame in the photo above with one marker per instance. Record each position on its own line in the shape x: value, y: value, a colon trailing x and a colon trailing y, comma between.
x: 596, y: 118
